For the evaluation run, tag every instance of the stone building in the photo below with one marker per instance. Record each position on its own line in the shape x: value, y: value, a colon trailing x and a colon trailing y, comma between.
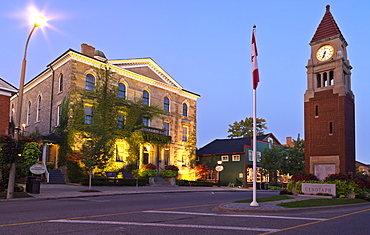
x: 137, y: 79
x: 329, y: 107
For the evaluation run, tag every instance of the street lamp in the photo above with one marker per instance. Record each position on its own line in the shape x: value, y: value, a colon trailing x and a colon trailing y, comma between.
x: 37, y: 21
x: 219, y: 168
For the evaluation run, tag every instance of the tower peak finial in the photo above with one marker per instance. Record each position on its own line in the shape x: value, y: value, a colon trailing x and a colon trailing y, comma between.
x: 328, y: 8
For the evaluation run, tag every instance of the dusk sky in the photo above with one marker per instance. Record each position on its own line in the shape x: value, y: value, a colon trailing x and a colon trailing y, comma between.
x: 205, y: 46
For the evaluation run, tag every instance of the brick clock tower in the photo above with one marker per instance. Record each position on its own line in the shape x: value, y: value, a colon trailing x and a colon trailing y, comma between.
x: 329, y: 108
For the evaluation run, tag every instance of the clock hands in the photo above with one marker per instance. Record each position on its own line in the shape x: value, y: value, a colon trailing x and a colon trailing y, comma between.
x: 323, y: 55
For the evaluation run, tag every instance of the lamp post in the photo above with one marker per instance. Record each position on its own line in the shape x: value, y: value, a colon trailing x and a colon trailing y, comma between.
x: 38, y: 21
x: 219, y: 168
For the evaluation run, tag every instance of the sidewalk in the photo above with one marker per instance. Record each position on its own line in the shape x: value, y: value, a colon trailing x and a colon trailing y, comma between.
x: 56, y: 191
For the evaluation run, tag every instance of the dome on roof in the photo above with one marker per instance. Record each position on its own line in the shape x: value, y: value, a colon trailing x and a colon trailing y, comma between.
x: 99, y: 53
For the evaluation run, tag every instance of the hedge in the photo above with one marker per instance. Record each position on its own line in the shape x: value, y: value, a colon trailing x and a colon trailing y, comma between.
x: 194, y: 183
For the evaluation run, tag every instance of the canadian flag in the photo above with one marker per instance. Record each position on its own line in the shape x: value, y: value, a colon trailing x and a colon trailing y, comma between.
x: 255, y: 75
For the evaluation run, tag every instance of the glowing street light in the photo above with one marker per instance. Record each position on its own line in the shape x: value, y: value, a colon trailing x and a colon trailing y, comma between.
x: 37, y: 21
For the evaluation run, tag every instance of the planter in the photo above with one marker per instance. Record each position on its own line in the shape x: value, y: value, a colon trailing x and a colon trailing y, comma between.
x: 171, y: 180
x: 151, y: 181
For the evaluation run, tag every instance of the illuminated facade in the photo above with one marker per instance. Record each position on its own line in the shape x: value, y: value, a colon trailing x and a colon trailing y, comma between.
x: 138, y: 79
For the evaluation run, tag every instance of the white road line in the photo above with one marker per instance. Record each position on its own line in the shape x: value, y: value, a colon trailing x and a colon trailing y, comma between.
x: 166, y: 225
x: 232, y: 215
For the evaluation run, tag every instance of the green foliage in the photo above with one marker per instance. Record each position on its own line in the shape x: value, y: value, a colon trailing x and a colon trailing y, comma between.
x: 272, y: 161
x: 267, y: 199
x: 145, y: 173
x: 344, y: 187
x: 244, y: 128
x: 30, y: 155
x: 75, y: 172
x: 115, y: 182
x: 298, y: 185
x: 169, y: 173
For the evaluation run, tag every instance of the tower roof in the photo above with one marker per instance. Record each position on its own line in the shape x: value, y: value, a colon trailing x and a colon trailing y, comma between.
x: 327, y: 27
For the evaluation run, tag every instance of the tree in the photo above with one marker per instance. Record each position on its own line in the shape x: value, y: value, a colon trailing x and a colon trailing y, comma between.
x: 30, y: 155
x: 244, y: 128
x: 294, y: 158
x: 272, y: 161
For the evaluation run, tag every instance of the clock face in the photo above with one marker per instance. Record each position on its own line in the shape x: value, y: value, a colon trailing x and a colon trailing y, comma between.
x: 325, y: 53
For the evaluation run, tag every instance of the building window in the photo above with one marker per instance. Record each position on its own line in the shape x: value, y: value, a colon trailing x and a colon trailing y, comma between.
x: 166, y: 127
x: 166, y: 104
x: 330, y: 128
x: 90, y: 82
x: 271, y: 142
x: 121, y: 90
x: 184, y: 134
x: 316, y: 110
x: 28, y: 113
x: 88, y: 114
x: 225, y: 158
x: 38, y: 109
x: 145, y: 121
x: 166, y: 156
x: 236, y: 158
x: 331, y: 78
x: 184, y: 110
x: 60, y: 83
x: 318, y: 80
x: 120, y: 121
x: 145, y: 97
x: 59, y: 114
x: 258, y: 156
x: 325, y: 79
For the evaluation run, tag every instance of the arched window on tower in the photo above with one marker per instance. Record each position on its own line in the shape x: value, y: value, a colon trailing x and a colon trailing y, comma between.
x: 316, y: 110
x: 166, y: 104
x: 90, y: 82
x: 121, y: 90
x: 330, y: 128
x: 145, y: 97
x: 318, y: 80
x: 331, y: 78
x: 325, y: 79
x: 184, y: 109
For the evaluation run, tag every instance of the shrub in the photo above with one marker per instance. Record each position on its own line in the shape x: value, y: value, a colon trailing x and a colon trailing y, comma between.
x: 75, y: 173
x: 363, y: 181
x: 344, y: 187
x: 148, y: 170
x: 170, y: 171
x: 303, y: 176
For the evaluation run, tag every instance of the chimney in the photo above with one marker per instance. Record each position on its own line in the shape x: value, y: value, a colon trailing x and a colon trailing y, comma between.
x: 87, y: 50
x: 289, y: 142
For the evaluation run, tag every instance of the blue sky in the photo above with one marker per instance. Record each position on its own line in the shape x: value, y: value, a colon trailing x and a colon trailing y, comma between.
x: 205, y: 46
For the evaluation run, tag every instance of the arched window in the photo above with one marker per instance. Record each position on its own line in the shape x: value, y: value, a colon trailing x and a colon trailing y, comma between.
x: 166, y: 104
x: 318, y: 80
x: 316, y: 110
x: 60, y: 83
x: 331, y: 78
x: 28, y: 113
x: 184, y: 109
x: 145, y: 97
x: 330, y: 128
x: 38, y: 111
x: 121, y: 90
x: 325, y: 79
x: 90, y: 82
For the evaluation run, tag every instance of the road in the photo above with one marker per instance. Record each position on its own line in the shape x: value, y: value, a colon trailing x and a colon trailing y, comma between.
x: 170, y: 213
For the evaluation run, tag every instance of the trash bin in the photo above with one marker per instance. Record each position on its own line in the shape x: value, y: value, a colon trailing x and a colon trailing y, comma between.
x: 266, y: 186
x: 35, y: 186
x: 29, y: 184
x: 258, y: 185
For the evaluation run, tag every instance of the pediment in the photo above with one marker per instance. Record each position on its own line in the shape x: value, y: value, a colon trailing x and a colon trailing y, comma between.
x: 147, y: 68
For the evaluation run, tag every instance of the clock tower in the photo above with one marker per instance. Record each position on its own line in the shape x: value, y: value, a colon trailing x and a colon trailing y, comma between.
x: 329, y: 109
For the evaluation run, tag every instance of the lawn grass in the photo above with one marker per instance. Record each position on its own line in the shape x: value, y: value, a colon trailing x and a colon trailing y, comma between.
x: 15, y: 195
x: 267, y: 199
x: 321, y: 202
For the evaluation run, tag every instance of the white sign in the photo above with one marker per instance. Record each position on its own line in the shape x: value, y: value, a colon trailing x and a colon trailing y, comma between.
x: 308, y: 188
x: 37, y: 169
x: 219, y: 168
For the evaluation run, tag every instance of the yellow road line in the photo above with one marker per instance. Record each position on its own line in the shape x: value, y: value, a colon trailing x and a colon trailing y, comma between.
x: 302, y: 225
x: 95, y: 216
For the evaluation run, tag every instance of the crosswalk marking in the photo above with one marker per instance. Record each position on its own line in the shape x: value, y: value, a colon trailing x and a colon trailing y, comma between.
x: 166, y: 225
x: 233, y: 215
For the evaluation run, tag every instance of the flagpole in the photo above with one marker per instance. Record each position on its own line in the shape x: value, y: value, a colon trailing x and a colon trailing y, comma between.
x: 255, y: 82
